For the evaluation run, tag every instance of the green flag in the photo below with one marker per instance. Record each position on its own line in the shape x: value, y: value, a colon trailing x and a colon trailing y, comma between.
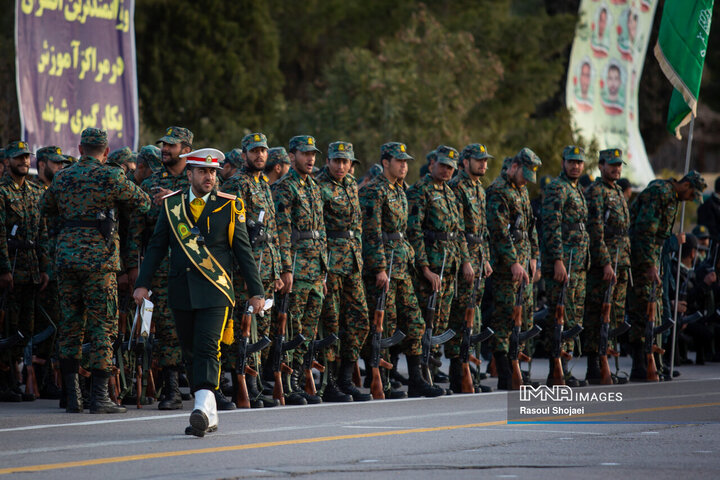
x: 680, y: 50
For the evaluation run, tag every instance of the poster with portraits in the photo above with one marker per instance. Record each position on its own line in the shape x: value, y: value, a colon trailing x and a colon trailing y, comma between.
x: 606, y: 61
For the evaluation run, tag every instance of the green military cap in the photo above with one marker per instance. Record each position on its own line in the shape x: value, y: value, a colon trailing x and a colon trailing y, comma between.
x: 375, y: 171
x: 175, y: 135
x: 701, y: 232
x: 611, y: 156
x: 573, y: 152
x: 304, y: 143
x: 506, y: 164
x: 341, y: 150
x: 475, y: 150
x: 697, y: 183
x: 16, y: 148
x: 122, y: 156
x: 277, y: 155
x: 447, y: 155
x: 396, y: 150
x: 151, y: 156
x: 355, y: 160
x: 93, y: 136
x: 530, y: 163
x: 545, y: 181
x: 234, y: 157
x: 253, y: 140
x: 431, y: 156
x: 69, y: 159
x: 50, y: 154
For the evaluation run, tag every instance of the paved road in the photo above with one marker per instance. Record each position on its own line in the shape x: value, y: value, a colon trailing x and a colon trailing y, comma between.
x: 669, y: 430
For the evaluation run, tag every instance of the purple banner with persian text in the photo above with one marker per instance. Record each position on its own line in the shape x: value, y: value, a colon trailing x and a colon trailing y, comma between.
x: 76, y: 69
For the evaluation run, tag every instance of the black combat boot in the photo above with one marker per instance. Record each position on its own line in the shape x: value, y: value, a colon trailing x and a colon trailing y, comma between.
x: 332, y: 393
x: 593, y: 375
x: 391, y: 391
x: 417, y: 386
x: 258, y: 399
x: 292, y: 397
x: 73, y: 401
x: 6, y: 392
x: 345, y: 383
x: 502, y: 366
x: 456, y: 375
x: 638, y: 373
x: 99, y: 400
x: 394, y: 374
x: 295, y: 385
x: 570, y: 380
x: 172, y: 400
x: 222, y: 402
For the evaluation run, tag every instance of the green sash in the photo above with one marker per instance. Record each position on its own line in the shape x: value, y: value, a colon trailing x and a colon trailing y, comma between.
x: 200, y: 256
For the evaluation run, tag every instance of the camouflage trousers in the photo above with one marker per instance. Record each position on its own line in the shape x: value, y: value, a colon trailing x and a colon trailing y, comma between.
x: 20, y: 316
x: 168, y: 352
x: 594, y: 298
x: 345, y: 313
x: 401, y: 312
x: 504, y: 291
x: 306, y: 302
x: 457, y: 314
x: 637, y: 304
x: 443, y: 302
x: 88, y: 301
x: 574, y: 307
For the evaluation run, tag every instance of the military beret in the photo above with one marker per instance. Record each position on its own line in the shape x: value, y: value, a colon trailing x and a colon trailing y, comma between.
x: 696, y: 182
x: 396, y: 150
x: 234, y: 157
x: 151, y: 156
x: 573, y: 152
x: 341, y: 150
x: 303, y: 143
x: 16, y: 148
x: 93, y: 136
x: 447, y: 156
x: 475, y: 150
x: 701, y: 232
x: 50, y: 154
x: 277, y: 155
x: 122, y: 156
x: 174, y: 135
x: 530, y: 163
x: 253, y: 140
x: 611, y: 156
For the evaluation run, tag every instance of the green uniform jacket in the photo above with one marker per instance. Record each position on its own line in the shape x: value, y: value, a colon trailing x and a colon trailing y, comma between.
x: 188, y: 289
x: 608, y: 224
x: 652, y: 217
x: 471, y: 196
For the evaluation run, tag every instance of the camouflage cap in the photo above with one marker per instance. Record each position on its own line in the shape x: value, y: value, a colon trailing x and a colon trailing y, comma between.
x: 174, y: 135
x: 396, y: 150
x: 122, y: 156
x: 611, y: 156
x: 50, y: 154
x: 545, y: 181
x: 16, y: 148
x: 234, y: 157
x: 70, y: 159
x: 151, y: 156
x: 303, y: 143
x: 277, y: 155
x: 93, y: 136
x: 506, y: 164
x: 701, y: 232
x: 475, y: 150
x: 697, y: 183
x: 573, y: 152
x: 253, y: 140
x: 341, y: 150
x: 447, y: 156
x: 375, y: 171
x: 431, y: 156
x: 530, y: 163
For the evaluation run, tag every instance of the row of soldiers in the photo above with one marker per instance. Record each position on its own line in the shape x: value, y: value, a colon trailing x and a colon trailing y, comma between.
x: 333, y: 250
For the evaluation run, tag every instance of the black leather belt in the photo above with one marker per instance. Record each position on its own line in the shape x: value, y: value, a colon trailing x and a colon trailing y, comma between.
x: 442, y: 236
x: 473, y: 239
x: 305, y: 235
x: 574, y: 227
x: 341, y: 234
x: 16, y: 244
x: 616, y: 232
x: 82, y: 223
x: 386, y: 237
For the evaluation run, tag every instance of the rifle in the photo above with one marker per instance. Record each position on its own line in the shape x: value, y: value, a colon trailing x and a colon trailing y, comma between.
x: 560, y: 336
x: 31, y: 385
x: 605, y: 376
x: 309, y: 361
x: 518, y: 337
x: 245, y: 348
x: 649, y: 347
x: 144, y: 381
x: 428, y: 340
x: 377, y: 342
x: 469, y: 339
x: 280, y: 346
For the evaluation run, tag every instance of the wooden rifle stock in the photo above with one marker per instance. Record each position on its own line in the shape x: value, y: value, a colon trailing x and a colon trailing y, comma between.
x: 376, y: 386
x: 652, y: 373
x: 605, y: 376
x: 466, y: 382
x: 356, y: 376
x: 31, y: 385
x: 278, y: 392
x: 242, y: 398
x: 516, y: 378
x: 558, y: 378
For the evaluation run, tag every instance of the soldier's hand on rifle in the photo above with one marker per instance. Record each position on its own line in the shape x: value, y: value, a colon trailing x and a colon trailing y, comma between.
x: 278, y: 285
x: 488, y: 269
x: 6, y: 281
x: 159, y: 194
x: 560, y: 275
x: 652, y: 275
x: 431, y: 277
x: 140, y: 294
x: 519, y: 274
x: 382, y: 280
x: 132, y: 275
x: 257, y: 303
x: 468, y: 272
x: 44, y: 279
x: 608, y: 273
x: 287, y: 279
x: 710, y: 278
x: 324, y: 287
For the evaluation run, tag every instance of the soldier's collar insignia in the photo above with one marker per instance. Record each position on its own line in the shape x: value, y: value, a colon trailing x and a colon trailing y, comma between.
x: 264, y: 177
x: 212, y: 198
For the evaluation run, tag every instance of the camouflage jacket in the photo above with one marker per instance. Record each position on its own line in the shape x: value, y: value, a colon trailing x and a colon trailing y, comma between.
x: 511, y: 225
x: 564, y: 215
x: 471, y: 197
x: 434, y: 211
x: 300, y: 214
x: 341, y: 211
x: 608, y: 223
x: 652, y: 216
x: 19, y: 214
x: 255, y: 193
x: 142, y: 224
x: 384, y: 229
x: 80, y: 192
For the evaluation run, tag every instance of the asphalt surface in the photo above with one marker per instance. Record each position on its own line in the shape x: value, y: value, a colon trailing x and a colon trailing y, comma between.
x: 667, y: 430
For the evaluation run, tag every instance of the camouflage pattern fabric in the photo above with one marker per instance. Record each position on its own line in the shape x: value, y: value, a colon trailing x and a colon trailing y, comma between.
x: 594, y: 297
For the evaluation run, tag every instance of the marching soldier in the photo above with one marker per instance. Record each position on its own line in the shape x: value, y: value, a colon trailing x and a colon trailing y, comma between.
x: 303, y: 251
x: 204, y: 230
x: 277, y: 165
x: 385, y: 207
x: 345, y: 309
x: 514, y: 250
x: 86, y: 197
x: 24, y: 261
x: 607, y: 225
x: 564, y: 214
x: 652, y: 216
x: 468, y: 189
